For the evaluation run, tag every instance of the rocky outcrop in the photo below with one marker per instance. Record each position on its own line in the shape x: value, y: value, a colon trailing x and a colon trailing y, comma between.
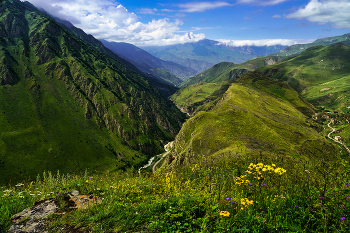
x: 33, y: 219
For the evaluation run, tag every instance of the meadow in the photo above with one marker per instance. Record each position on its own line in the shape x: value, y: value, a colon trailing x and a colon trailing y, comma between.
x: 234, y: 193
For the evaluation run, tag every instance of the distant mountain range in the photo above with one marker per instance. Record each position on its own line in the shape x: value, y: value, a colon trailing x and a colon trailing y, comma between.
x: 169, y: 71
x: 203, y: 54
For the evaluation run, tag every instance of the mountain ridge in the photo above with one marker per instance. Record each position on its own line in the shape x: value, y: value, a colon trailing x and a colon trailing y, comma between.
x: 66, y: 105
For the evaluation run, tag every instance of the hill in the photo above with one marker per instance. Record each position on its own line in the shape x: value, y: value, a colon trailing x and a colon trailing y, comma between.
x: 297, y: 49
x: 257, y: 115
x: 203, y: 54
x: 226, y: 71
x: 66, y: 105
x: 321, y: 74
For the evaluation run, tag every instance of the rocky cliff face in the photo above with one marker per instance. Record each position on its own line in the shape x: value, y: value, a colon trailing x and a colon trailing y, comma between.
x: 50, y: 77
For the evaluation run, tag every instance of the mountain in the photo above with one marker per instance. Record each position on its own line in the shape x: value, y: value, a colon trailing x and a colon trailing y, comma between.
x: 149, y: 63
x: 226, y: 71
x: 297, y: 49
x: 66, y: 105
x: 255, y: 116
x: 203, y: 54
x: 160, y: 81
x: 321, y: 74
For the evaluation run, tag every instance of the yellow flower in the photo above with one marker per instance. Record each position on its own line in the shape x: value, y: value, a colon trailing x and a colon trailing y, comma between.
x: 225, y: 213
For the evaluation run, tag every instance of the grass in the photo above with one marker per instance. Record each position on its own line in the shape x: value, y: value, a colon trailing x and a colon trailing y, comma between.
x: 226, y: 71
x: 319, y: 74
x: 255, y: 114
x: 191, y: 97
x: 210, y: 195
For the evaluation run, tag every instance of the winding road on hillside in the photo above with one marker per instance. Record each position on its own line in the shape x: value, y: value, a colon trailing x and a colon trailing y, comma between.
x: 167, y: 149
x: 329, y: 136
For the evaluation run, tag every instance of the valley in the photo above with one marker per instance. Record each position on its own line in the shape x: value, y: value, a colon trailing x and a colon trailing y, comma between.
x: 199, y: 136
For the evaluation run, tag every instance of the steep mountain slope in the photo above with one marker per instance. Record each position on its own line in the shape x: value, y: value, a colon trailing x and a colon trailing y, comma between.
x: 156, y: 77
x: 226, y: 71
x: 65, y: 105
x: 297, y: 49
x: 147, y: 62
x: 321, y: 74
x: 205, y: 53
x: 255, y: 115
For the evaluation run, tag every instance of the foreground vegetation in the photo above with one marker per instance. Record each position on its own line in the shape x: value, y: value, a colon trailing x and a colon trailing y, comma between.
x: 237, y: 192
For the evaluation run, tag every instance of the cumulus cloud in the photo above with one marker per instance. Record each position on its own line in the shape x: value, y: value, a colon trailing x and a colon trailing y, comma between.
x: 265, y: 42
x: 335, y: 12
x: 261, y: 2
x: 276, y: 16
x: 108, y: 20
x: 202, y: 6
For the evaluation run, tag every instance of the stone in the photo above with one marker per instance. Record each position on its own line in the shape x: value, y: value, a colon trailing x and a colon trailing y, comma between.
x: 32, y: 219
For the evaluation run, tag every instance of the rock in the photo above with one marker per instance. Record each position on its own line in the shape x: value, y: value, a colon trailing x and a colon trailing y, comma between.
x: 33, y: 219
x: 75, y: 192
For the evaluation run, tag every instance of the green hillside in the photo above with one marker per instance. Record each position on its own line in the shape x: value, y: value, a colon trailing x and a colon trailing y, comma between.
x: 298, y: 48
x: 226, y: 71
x: 190, y: 98
x: 256, y: 114
x: 65, y: 105
x: 320, y: 74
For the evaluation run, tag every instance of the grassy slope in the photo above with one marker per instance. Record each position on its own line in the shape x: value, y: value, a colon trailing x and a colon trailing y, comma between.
x: 226, y: 71
x: 297, y: 49
x: 320, y: 73
x: 256, y: 114
x: 189, y: 98
x: 65, y: 105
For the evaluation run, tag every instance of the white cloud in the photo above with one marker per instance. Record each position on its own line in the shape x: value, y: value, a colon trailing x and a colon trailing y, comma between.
x: 261, y: 2
x: 105, y: 19
x: 148, y: 11
x: 335, y: 12
x: 265, y: 42
x: 276, y: 16
x: 202, y: 6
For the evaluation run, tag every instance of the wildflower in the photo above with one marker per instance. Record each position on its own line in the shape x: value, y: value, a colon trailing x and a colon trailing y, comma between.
x: 346, y: 183
x: 228, y: 198
x: 333, y: 185
x: 225, y: 213
x: 231, y: 203
x: 263, y: 184
x: 321, y: 197
x: 296, y: 206
x: 250, y: 184
x: 342, y: 218
x: 325, y: 189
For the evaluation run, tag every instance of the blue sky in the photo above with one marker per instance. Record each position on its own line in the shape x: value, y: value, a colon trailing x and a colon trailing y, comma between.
x: 235, y: 22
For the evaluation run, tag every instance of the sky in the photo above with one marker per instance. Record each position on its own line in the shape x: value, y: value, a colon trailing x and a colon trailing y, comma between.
x: 232, y: 22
